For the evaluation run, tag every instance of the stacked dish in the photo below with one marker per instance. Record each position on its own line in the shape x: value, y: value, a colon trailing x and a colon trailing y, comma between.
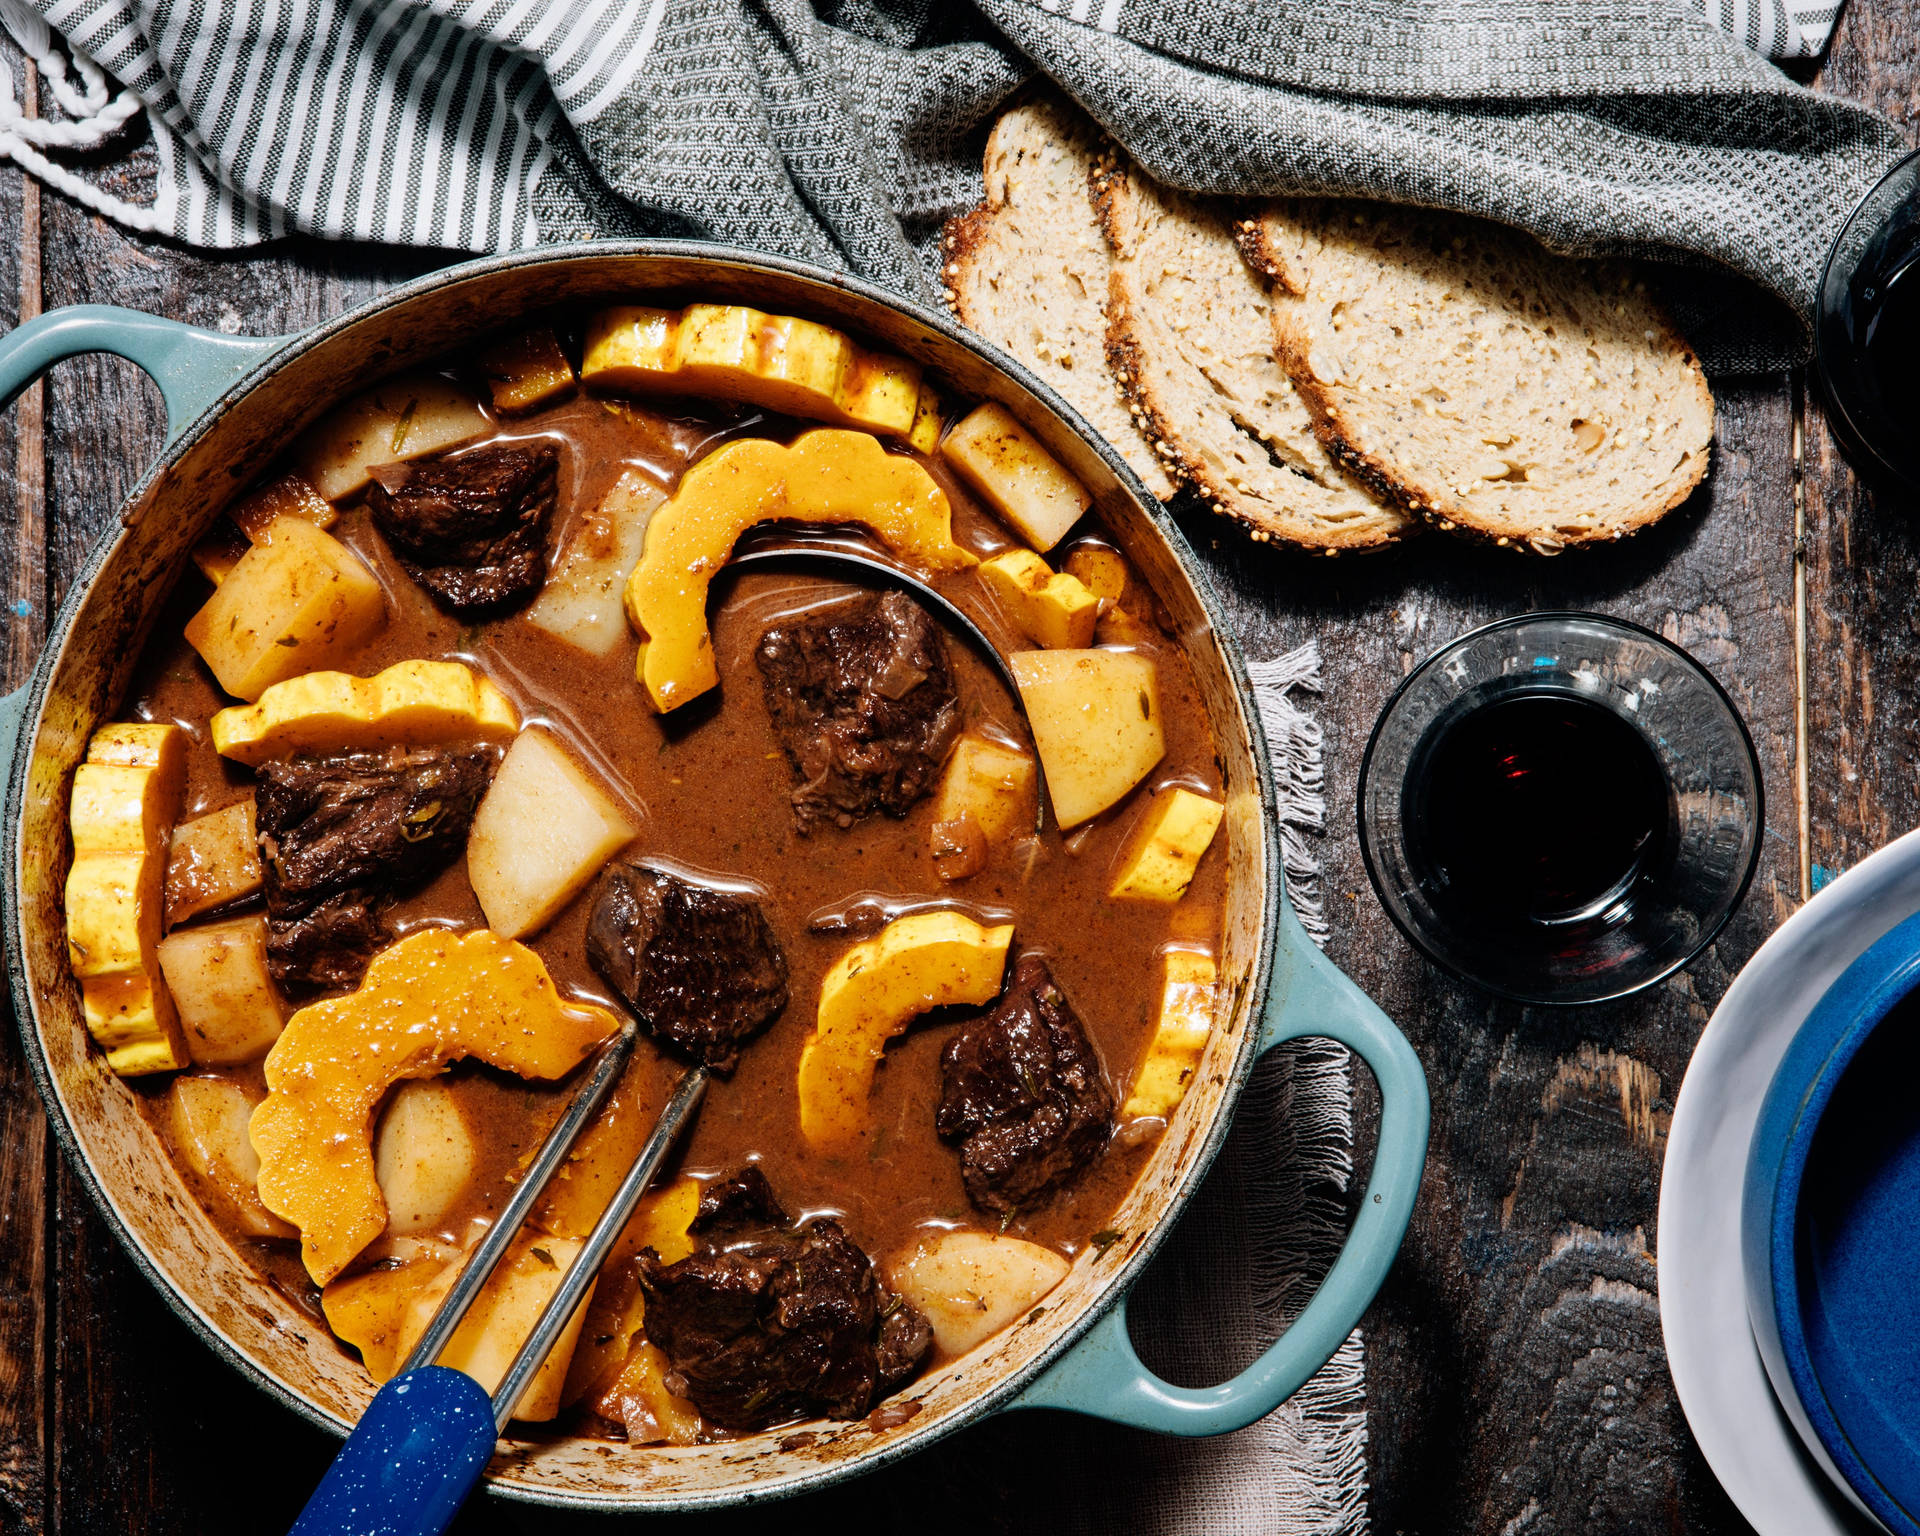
x: 1792, y: 1165
x: 1828, y: 1238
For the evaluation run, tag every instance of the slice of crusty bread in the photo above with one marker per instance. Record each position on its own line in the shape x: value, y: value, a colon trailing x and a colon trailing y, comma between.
x: 1190, y: 340
x: 1484, y: 383
x: 1028, y: 270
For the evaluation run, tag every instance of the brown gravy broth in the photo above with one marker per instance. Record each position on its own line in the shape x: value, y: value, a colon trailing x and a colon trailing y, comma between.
x: 709, y: 787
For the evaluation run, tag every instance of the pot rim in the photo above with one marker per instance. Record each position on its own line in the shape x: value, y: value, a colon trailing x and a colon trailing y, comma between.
x: 1115, y: 1287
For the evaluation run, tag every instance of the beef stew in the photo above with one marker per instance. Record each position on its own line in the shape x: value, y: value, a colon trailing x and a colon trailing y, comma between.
x: 812, y: 790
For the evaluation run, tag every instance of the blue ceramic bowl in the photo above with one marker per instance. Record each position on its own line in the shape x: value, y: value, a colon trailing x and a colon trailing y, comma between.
x: 1830, y: 1229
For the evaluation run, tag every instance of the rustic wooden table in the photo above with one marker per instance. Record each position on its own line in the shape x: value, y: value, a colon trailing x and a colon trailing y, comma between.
x: 1517, y: 1380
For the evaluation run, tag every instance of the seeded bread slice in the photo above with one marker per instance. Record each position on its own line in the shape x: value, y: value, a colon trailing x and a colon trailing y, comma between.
x: 1484, y: 383
x: 1028, y: 270
x: 1190, y: 340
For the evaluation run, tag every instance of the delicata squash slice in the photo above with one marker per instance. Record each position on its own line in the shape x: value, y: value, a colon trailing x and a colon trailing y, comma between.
x: 410, y: 703
x: 431, y: 999
x: 824, y: 476
x: 917, y: 963
x: 734, y: 353
x: 125, y: 798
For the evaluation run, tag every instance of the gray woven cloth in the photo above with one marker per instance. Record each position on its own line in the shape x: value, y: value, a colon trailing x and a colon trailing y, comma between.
x: 1604, y: 126
x: 844, y: 132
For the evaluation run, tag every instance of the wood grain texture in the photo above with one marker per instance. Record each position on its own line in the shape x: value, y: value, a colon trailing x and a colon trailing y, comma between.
x: 1863, y: 556
x: 1516, y: 1374
x: 24, y: 1313
x: 1515, y: 1369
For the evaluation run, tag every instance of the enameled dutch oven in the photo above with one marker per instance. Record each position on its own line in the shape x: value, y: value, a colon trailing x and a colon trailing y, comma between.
x: 232, y: 404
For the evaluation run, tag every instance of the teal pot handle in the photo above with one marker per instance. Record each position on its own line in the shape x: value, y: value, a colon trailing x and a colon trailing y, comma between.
x: 193, y: 368
x: 1103, y: 1377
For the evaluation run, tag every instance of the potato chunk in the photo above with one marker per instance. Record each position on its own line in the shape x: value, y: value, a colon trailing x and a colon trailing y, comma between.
x: 217, y: 973
x: 383, y: 1313
x: 258, y: 511
x: 411, y: 703
x: 124, y: 801
x: 209, y: 1119
x: 1095, y: 717
x: 1102, y: 571
x: 542, y: 832
x: 986, y: 794
x: 1014, y: 475
x: 1179, y: 1037
x: 581, y: 602
x: 874, y: 991
x: 989, y: 781
x: 423, y: 1156
x: 404, y: 418
x: 1165, y: 849
x: 730, y: 352
x: 526, y: 369
x: 297, y: 603
x: 924, y: 435
x: 970, y: 1285
x: 214, y: 859
x: 504, y: 1313
x: 1051, y: 608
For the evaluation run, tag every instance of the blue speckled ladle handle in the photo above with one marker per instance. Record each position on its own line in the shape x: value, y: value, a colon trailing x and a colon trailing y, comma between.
x: 1103, y: 1377
x: 193, y: 368
x: 410, y: 1463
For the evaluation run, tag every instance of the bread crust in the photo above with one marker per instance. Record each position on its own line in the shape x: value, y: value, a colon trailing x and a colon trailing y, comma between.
x: 1272, y: 513
x: 1263, y: 241
x: 968, y: 266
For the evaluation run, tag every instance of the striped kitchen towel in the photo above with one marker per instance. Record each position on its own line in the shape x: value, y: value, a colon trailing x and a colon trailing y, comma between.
x: 1781, y: 29
x: 845, y: 132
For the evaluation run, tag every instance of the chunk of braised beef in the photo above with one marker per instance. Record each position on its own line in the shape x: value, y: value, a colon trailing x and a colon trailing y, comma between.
x: 742, y: 1199
x: 863, y: 704
x: 471, y: 529
x: 764, y: 1323
x: 340, y: 834
x: 1023, y: 1095
x: 699, y: 967
x: 903, y: 1343
x: 327, y: 947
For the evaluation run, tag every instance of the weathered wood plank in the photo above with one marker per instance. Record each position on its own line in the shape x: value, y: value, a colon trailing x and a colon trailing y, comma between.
x: 1862, y: 562
x: 1526, y: 1293
x: 1516, y: 1375
x: 24, y: 1314
x: 1515, y: 1362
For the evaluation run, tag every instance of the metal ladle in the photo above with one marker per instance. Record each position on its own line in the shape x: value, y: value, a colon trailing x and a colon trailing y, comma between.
x: 426, y: 1438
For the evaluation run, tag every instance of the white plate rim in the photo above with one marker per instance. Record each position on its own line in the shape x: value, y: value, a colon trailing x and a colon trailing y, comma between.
x: 1717, y: 1373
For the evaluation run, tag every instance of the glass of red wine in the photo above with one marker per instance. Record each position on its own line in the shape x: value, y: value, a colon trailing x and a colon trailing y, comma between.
x: 1560, y: 808
x: 1867, y: 329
